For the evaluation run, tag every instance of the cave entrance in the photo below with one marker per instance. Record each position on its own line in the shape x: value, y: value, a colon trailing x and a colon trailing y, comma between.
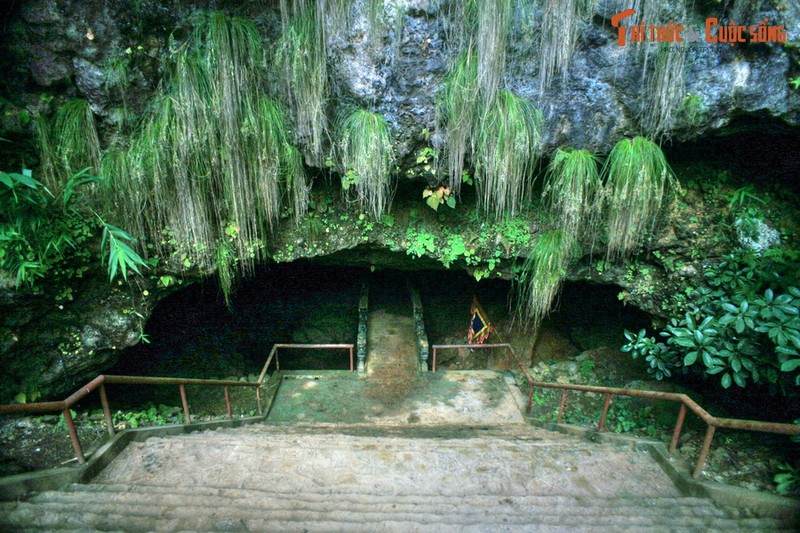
x: 192, y: 333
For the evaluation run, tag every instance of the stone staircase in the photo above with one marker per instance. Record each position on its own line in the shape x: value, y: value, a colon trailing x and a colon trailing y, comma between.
x: 364, y: 477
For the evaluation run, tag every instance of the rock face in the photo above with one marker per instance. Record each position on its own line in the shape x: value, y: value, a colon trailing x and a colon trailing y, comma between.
x: 58, y: 49
x: 397, y: 69
x: 52, y: 344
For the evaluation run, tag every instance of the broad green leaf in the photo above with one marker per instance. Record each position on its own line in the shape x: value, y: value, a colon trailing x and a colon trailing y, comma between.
x: 790, y: 365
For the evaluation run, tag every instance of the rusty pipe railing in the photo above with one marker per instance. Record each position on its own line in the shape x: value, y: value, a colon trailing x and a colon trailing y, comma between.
x: 687, y: 404
x: 273, y: 354
x: 99, y: 383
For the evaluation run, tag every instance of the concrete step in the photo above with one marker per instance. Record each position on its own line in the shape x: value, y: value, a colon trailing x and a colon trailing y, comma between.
x: 132, y: 508
x: 384, y: 479
x: 390, y: 465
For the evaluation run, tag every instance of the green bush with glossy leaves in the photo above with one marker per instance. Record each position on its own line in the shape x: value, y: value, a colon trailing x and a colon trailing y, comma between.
x: 743, y: 328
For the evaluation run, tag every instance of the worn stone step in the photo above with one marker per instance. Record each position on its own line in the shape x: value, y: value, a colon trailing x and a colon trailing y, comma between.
x: 364, y: 502
x: 500, y: 431
x: 582, y: 515
x: 397, y: 466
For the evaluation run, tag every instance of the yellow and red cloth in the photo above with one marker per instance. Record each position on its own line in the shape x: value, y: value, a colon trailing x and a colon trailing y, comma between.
x: 480, y: 326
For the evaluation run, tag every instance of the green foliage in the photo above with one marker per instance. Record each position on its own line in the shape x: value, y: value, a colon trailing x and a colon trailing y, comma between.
x: 573, y: 190
x: 559, y: 35
x: 507, y: 147
x: 788, y: 479
x: 459, y: 107
x: 38, y: 230
x: 743, y: 197
x: 213, y: 152
x: 692, y: 110
x: 224, y: 259
x: 661, y: 361
x: 420, y: 242
x: 366, y: 153
x: 435, y: 197
x: 68, y: 143
x: 664, y: 90
x: 151, y: 416
x: 490, y: 21
x: 745, y: 328
x: 543, y: 273
x: 498, y: 130
x: 120, y: 256
x: 61, y: 425
x: 637, y: 180
x: 302, y: 67
x: 586, y: 368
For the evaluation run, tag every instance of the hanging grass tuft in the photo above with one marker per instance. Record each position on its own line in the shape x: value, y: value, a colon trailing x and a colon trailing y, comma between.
x: 366, y: 157
x: 542, y: 274
x: 573, y: 191
x: 472, y: 87
x: 302, y: 67
x: 68, y: 144
x: 509, y: 140
x: 560, y: 30
x: 491, y: 41
x: 459, y: 108
x: 211, y: 168
x: 637, y: 176
x: 665, y: 88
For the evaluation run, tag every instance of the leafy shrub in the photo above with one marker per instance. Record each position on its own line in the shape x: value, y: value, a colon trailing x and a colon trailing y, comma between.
x: 744, y: 327
x: 37, y: 229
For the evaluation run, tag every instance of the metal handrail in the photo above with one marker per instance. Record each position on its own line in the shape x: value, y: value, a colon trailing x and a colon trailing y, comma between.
x: 274, y: 354
x: 100, y: 381
x: 686, y: 402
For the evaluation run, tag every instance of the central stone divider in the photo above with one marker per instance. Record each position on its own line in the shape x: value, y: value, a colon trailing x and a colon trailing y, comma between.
x: 391, y: 340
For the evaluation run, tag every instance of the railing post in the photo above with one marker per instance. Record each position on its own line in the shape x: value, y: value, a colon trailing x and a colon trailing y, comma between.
x: 701, y: 461
x: 676, y: 434
x: 433, y: 368
x: 186, y: 416
x: 351, y: 358
x: 258, y: 400
x: 530, y: 400
x: 228, y: 402
x: 606, y: 405
x: 73, y: 436
x: 562, y: 406
x: 508, y: 358
x: 106, y: 410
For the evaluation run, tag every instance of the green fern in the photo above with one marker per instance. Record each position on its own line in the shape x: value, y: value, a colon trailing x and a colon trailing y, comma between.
x: 120, y: 257
x: 637, y: 180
